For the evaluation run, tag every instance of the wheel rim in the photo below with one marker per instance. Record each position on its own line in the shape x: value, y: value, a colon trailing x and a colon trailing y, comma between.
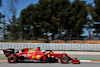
x: 11, y: 58
x: 64, y: 59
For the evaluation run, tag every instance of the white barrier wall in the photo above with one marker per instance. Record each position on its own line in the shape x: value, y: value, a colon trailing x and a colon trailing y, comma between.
x: 52, y: 46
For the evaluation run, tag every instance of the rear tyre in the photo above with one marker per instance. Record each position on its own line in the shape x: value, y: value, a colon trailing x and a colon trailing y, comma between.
x: 12, y: 59
x: 64, y: 59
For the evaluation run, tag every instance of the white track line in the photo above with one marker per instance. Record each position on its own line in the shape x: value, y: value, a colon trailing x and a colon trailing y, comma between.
x: 85, y: 61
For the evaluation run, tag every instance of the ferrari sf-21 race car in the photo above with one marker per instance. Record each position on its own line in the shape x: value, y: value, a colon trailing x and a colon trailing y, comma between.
x: 37, y: 55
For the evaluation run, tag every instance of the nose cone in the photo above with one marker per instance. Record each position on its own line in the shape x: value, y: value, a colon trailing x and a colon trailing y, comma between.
x: 75, y: 61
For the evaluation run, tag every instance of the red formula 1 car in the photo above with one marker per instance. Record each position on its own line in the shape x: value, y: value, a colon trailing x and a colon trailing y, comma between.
x: 37, y: 55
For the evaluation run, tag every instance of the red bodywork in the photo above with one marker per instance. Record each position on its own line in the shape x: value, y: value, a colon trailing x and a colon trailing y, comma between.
x: 37, y: 54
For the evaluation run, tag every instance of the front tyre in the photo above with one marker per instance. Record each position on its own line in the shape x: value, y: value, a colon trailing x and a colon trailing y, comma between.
x: 12, y: 59
x: 64, y: 59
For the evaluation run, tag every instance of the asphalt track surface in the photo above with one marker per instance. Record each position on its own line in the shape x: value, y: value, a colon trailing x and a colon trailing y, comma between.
x: 84, y: 64
x: 75, y: 56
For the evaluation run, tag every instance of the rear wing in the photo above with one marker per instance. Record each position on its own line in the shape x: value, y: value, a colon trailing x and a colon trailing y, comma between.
x: 8, y: 52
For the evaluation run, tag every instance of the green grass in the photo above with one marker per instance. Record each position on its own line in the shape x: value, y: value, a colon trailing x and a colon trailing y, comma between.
x: 3, y: 58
